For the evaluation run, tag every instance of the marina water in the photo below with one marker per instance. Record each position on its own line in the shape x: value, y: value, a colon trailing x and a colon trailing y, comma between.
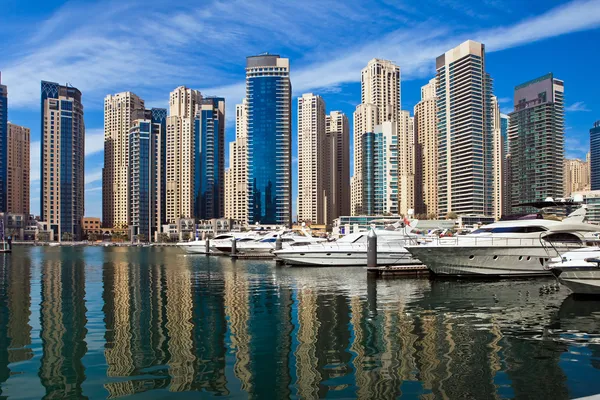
x: 113, y: 322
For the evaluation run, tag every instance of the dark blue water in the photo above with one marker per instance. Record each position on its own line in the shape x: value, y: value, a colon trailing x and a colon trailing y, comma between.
x: 156, y: 323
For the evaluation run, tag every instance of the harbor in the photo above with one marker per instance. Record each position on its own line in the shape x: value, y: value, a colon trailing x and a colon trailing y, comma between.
x: 111, y: 322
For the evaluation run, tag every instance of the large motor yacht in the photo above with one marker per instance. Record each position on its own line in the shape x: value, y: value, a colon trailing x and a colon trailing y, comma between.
x: 199, y: 246
x: 351, y: 251
x: 579, y: 270
x: 517, y: 248
x: 268, y: 243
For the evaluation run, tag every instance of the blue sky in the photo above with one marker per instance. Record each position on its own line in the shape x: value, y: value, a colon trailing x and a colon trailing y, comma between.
x: 151, y: 47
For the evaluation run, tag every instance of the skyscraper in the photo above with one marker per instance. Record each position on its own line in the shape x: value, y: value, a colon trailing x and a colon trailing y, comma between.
x: 209, y: 158
x: 464, y: 117
x: 426, y: 163
x: 3, y: 146
x: 118, y: 118
x: 536, y: 137
x: 311, y: 159
x: 18, y: 169
x: 504, y: 122
x: 336, y: 166
x: 180, y: 153
x: 236, y: 176
x: 577, y: 176
x: 268, y: 95
x: 380, y: 102
x: 499, y: 157
x: 406, y: 163
x: 595, y: 156
x: 62, y: 163
x: 145, y: 171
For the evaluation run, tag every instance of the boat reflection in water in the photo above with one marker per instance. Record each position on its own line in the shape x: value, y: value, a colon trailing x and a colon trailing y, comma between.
x: 113, y: 322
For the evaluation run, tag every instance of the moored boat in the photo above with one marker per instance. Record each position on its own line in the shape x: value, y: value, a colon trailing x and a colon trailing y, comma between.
x: 579, y: 270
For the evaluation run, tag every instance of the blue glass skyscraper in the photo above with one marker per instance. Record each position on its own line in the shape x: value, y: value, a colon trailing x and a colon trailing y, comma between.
x: 595, y: 156
x: 209, y: 159
x: 3, y: 146
x: 269, y: 126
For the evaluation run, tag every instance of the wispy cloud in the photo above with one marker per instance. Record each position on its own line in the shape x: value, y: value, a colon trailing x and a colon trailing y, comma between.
x: 94, y: 141
x: 575, y: 146
x: 577, y: 106
x: 94, y: 175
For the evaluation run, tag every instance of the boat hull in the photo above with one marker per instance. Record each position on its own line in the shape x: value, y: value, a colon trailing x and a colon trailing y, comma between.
x: 484, y: 262
x: 348, y: 258
x: 582, y: 281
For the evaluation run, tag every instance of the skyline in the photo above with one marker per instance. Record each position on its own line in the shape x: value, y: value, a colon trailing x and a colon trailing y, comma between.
x: 555, y: 39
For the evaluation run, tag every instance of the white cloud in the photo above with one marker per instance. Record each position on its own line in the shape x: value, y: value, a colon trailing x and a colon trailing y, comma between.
x: 94, y: 141
x: 577, y: 106
x: 93, y: 176
x: 34, y: 161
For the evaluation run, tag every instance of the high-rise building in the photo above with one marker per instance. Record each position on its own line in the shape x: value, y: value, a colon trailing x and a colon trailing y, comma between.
x: 380, y: 102
x: 504, y: 122
x: 536, y: 137
x: 464, y: 117
x: 336, y: 166
x: 145, y: 164
x: 180, y: 153
x: 62, y: 160
x: 209, y: 159
x: 236, y: 178
x: 577, y: 176
x: 118, y: 112
x: 595, y: 156
x: 269, y: 127
x: 311, y: 159
x: 426, y: 163
x: 499, y: 156
x: 18, y: 169
x: 406, y: 163
x: 3, y: 146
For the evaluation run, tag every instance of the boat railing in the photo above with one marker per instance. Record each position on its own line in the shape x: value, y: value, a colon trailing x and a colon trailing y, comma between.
x: 504, y: 241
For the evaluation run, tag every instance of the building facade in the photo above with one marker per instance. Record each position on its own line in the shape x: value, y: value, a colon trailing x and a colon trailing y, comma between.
x: 336, y: 166
x: 464, y: 117
x: 62, y: 159
x: 577, y: 176
x: 366, y: 117
x: 3, y: 146
x: 506, y: 201
x: 18, y: 169
x: 180, y: 154
x: 499, y: 159
x: 426, y: 158
x: 118, y: 118
x: 269, y: 130
x: 312, y: 198
x: 536, y: 137
x: 236, y: 176
x: 406, y: 163
x: 595, y: 156
x: 209, y: 159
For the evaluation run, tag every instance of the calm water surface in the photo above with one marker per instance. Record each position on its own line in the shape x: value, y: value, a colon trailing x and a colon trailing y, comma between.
x: 156, y: 323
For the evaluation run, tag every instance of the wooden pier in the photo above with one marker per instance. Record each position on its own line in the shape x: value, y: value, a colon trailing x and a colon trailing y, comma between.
x: 400, y: 270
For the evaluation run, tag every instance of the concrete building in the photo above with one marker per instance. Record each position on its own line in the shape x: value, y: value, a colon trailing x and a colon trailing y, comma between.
x: 595, y: 156
x: 592, y: 199
x: 464, y: 115
x: 92, y: 225
x: 62, y: 160
x: 506, y: 201
x: 118, y: 111
x: 269, y: 127
x: 236, y: 176
x: 336, y: 166
x: 18, y: 169
x: 3, y: 146
x: 499, y: 159
x: 311, y: 159
x: 366, y: 117
x: 426, y: 158
x: 536, y: 137
x: 577, y: 176
x: 180, y: 154
x: 209, y: 159
x: 406, y: 163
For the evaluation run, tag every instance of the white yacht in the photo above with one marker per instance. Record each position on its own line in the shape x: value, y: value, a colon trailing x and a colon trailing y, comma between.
x: 199, y: 246
x: 268, y: 243
x: 351, y: 251
x: 579, y: 270
x: 518, y: 248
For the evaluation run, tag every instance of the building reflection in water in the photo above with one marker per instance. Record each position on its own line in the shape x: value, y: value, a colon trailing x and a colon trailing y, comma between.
x: 62, y: 322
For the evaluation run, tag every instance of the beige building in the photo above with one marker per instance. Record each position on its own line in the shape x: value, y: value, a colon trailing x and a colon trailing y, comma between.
x: 366, y: 117
x: 118, y: 116
x: 577, y: 176
x: 336, y: 170
x: 236, y: 176
x: 183, y: 104
x: 311, y: 160
x: 498, y: 160
x: 406, y: 163
x: 426, y: 168
x: 18, y: 169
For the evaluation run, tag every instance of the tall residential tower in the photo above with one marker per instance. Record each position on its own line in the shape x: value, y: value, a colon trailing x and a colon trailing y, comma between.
x: 336, y: 166
x: 595, y: 156
x: 236, y: 176
x: 18, y: 170
x: 3, y: 146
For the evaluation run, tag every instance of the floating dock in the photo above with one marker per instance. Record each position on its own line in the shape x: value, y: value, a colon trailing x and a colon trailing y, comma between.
x: 400, y: 270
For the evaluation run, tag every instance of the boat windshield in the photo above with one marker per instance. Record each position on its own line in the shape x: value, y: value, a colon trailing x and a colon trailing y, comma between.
x: 221, y: 237
x: 510, y: 229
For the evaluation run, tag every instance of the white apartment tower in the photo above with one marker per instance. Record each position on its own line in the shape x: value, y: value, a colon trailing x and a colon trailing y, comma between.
x: 236, y: 178
x: 311, y: 141
x: 426, y: 163
x: 499, y: 159
x: 406, y: 163
x: 180, y: 138
x: 118, y: 111
x: 464, y: 115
